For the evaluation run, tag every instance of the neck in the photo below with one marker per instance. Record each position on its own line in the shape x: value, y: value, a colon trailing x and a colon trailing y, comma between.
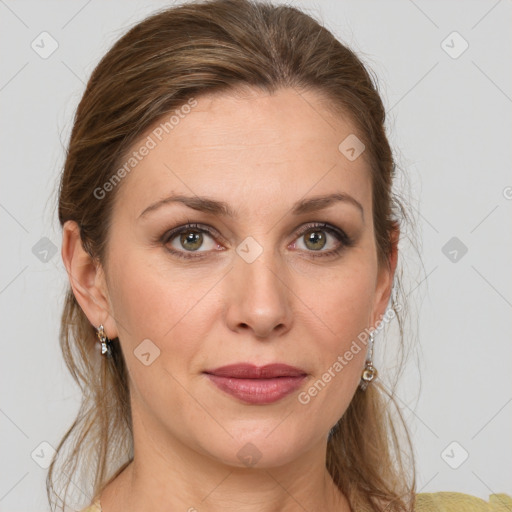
x: 169, y: 474
x: 194, y: 482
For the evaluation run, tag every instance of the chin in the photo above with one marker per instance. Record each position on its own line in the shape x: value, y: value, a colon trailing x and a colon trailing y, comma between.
x: 258, y: 449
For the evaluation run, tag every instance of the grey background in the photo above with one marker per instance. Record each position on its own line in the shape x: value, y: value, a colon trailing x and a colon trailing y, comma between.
x: 449, y: 120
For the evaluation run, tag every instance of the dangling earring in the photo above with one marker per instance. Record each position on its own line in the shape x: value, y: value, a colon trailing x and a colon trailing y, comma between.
x: 369, y: 372
x: 106, y: 344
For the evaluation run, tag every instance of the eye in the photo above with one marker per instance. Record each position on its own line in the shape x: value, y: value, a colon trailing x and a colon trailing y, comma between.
x: 191, y: 238
x: 196, y: 240
x: 323, y: 239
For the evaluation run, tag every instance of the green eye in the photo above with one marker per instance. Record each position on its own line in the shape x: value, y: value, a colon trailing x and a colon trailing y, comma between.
x: 191, y: 240
x: 315, y: 240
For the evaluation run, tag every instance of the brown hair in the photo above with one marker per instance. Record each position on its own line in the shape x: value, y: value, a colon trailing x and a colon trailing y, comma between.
x: 159, y: 64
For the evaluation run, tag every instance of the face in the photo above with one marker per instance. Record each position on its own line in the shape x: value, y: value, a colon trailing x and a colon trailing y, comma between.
x: 249, y: 266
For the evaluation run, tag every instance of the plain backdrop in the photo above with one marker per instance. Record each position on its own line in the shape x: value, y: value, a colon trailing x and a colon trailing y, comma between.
x: 445, y: 75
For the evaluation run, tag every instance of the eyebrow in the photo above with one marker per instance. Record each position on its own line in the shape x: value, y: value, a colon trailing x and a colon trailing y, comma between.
x: 208, y: 205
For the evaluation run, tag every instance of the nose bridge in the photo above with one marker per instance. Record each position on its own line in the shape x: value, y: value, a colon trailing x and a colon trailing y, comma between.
x: 261, y: 298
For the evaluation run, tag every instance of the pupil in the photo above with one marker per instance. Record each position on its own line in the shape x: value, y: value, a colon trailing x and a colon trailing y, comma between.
x: 193, y: 238
x: 315, y: 237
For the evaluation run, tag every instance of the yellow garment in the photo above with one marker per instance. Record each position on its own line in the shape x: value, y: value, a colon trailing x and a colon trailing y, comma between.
x: 458, y: 502
x: 434, y: 502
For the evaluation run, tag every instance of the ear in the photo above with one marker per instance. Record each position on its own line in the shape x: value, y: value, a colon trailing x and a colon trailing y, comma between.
x: 87, y: 280
x: 385, y: 278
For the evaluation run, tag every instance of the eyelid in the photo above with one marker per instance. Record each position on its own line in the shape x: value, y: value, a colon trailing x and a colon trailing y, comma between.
x: 347, y: 240
x: 166, y: 237
x: 343, y: 239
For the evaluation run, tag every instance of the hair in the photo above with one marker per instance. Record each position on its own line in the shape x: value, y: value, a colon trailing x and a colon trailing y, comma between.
x: 155, y: 68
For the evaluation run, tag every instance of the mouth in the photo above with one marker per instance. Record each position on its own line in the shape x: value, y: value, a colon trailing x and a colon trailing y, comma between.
x: 257, y: 385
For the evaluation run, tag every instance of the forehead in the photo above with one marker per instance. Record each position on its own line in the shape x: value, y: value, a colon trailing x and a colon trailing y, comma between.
x: 246, y: 147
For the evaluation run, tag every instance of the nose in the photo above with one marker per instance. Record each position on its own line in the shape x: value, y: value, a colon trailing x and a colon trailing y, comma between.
x: 258, y: 298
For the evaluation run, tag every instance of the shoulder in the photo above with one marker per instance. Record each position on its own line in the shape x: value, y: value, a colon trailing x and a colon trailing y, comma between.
x: 95, y: 507
x: 433, y: 502
x: 459, y: 502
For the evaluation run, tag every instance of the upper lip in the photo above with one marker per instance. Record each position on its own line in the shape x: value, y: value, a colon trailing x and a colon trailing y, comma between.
x: 250, y: 371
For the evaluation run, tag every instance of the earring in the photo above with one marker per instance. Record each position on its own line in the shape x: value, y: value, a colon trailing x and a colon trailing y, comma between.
x: 106, y: 344
x: 369, y: 372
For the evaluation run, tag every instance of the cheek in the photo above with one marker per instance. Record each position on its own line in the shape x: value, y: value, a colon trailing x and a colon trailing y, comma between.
x: 151, y: 300
x: 148, y: 298
x: 341, y: 313
x: 343, y: 299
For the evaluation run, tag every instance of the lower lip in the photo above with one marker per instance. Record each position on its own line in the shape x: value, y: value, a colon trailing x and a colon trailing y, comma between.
x: 257, y: 391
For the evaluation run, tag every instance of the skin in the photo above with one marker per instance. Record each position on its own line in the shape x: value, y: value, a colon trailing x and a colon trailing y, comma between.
x: 260, y: 154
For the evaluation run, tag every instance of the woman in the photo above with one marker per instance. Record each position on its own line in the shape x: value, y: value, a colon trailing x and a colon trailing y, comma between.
x: 230, y: 236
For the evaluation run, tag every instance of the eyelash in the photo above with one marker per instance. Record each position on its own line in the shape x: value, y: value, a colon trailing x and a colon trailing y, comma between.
x: 342, y: 237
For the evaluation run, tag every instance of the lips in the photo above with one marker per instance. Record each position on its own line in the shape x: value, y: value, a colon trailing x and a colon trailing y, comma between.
x: 257, y: 385
x: 250, y: 371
